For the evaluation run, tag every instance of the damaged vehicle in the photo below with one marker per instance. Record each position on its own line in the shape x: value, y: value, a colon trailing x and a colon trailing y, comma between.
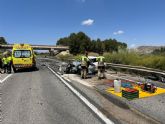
x: 74, y: 67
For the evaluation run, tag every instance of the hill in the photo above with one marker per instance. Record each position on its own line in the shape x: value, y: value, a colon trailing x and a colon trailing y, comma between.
x: 147, y: 49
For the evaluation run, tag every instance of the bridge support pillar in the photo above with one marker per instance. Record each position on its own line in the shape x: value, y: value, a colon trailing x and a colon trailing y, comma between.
x: 51, y: 52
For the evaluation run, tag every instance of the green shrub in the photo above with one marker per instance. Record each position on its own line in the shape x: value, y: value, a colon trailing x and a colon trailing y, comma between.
x: 128, y: 58
x: 78, y: 57
x: 133, y: 58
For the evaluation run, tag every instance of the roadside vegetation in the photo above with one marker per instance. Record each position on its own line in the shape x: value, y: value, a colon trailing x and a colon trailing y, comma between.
x: 114, y: 51
x: 160, y: 51
x: 2, y: 41
x: 66, y: 57
x: 80, y: 42
x: 156, y: 61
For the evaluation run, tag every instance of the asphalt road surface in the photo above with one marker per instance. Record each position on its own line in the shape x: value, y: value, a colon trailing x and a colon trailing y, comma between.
x: 39, y: 97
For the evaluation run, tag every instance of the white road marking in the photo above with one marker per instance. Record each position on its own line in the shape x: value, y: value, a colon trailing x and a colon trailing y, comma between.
x: 86, y: 101
x: 68, y: 80
x: 59, y: 73
x: 1, y: 81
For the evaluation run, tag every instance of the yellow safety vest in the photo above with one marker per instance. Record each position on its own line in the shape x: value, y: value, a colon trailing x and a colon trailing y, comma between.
x: 9, y: 59
x: 4, y: 60
x: 84, y: 60
x: 100, y: 59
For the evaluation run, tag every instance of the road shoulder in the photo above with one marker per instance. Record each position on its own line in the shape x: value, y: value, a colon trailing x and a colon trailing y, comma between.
x: 123, y: 110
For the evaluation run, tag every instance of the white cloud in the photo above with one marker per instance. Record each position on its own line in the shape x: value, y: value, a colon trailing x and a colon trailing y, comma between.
x: 87, y: 22
x: 118, y: 32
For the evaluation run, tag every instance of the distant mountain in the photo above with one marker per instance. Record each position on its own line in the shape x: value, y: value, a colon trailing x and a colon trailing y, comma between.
x: 147, y: 49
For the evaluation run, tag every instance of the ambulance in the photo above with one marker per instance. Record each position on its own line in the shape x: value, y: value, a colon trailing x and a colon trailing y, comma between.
x: 23, y: 57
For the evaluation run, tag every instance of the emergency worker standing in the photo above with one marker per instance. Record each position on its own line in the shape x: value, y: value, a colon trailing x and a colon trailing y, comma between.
x: 1, y: 65
x: 4, y: 62
x: 101, y: 66
x: 84, y: 65
x: 9, y: 62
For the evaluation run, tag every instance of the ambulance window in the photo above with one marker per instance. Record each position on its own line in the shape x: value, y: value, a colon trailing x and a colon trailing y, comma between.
x: 22, y: 53
x: 17, y: 53
x: 26, y: 54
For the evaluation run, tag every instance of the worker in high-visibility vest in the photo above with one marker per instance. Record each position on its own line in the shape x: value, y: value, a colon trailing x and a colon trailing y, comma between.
x: 5, y: 62
x: 9, y: 63
x: 1, y: 65
x: 101, y: 66
x: 84, y: 65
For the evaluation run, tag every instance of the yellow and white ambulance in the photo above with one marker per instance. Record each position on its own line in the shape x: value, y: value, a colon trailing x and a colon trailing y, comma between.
x: 23, y: 57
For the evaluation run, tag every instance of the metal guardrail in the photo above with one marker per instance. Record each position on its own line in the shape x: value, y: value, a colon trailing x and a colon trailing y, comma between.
x: 138, y: 68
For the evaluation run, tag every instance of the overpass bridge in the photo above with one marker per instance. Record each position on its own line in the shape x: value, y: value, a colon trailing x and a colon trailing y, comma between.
x: 52, y: 49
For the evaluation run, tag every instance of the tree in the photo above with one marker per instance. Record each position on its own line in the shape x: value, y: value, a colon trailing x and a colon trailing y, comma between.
x: 2, y: 40
x: 98, y: 46
x: 84, y: 41
x: 160, y: 51
x: 63, y: 41
x: 80, y: 42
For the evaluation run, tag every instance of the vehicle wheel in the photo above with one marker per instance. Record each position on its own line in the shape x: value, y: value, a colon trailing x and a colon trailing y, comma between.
x: 35, y: 69
x: 15, y: 70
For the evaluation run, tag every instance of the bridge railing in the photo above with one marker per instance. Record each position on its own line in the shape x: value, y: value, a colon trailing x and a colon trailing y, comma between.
x: 38, y: 47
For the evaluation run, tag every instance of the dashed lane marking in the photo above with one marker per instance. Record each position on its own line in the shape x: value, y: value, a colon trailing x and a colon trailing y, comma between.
x: 1, y: 81
x: 85, y: 100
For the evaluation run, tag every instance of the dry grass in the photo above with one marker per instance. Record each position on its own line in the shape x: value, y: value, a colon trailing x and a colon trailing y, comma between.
x: 132, y: 58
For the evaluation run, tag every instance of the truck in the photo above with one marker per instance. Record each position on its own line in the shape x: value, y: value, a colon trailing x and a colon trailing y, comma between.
x: 23, y: 57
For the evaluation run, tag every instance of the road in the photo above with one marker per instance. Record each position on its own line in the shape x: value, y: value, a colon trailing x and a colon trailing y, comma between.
x: 39, y: 97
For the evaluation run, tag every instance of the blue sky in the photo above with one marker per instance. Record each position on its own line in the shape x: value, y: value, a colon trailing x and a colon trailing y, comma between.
x: 135, y: 22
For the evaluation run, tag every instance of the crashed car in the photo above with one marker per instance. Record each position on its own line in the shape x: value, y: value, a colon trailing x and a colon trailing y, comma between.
x: 75, y: 68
